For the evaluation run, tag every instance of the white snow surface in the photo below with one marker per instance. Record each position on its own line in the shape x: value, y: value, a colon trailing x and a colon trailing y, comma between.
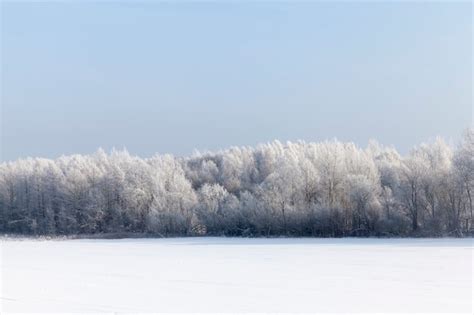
x: 237, y: 275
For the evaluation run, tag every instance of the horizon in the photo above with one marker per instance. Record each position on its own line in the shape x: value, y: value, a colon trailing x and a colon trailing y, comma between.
x: 449, y: 142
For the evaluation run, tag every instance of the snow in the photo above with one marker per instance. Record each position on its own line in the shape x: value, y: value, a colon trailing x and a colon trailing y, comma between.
x: 237, y: 275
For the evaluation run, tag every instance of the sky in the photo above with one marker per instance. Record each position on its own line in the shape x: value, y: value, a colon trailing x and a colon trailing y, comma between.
x: 161, y: 77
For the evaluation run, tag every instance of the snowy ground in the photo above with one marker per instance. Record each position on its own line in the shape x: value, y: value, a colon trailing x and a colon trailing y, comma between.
x: 237, y: 275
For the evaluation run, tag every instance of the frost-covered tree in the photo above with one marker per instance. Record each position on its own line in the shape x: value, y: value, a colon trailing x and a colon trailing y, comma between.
x: 463, y: 164
x: 297, y: 188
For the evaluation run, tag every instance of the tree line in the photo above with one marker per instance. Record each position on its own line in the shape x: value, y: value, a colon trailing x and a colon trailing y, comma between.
x: 327, y: 189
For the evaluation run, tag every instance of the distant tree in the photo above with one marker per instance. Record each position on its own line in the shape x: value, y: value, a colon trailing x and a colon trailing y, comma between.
x: 316, y: 189
x: 463, y: 163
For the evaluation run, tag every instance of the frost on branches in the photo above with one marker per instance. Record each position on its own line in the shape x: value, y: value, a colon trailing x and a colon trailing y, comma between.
x: 298, y: 189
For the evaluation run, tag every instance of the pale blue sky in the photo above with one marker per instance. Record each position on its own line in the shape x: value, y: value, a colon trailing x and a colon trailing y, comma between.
x: 169, y: 78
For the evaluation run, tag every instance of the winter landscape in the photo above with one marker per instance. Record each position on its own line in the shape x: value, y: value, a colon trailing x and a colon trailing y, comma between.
x: 328, y: 189
x: 236, y: 157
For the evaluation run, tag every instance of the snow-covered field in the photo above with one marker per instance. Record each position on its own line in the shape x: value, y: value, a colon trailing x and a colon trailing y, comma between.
x: 237, y: 275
